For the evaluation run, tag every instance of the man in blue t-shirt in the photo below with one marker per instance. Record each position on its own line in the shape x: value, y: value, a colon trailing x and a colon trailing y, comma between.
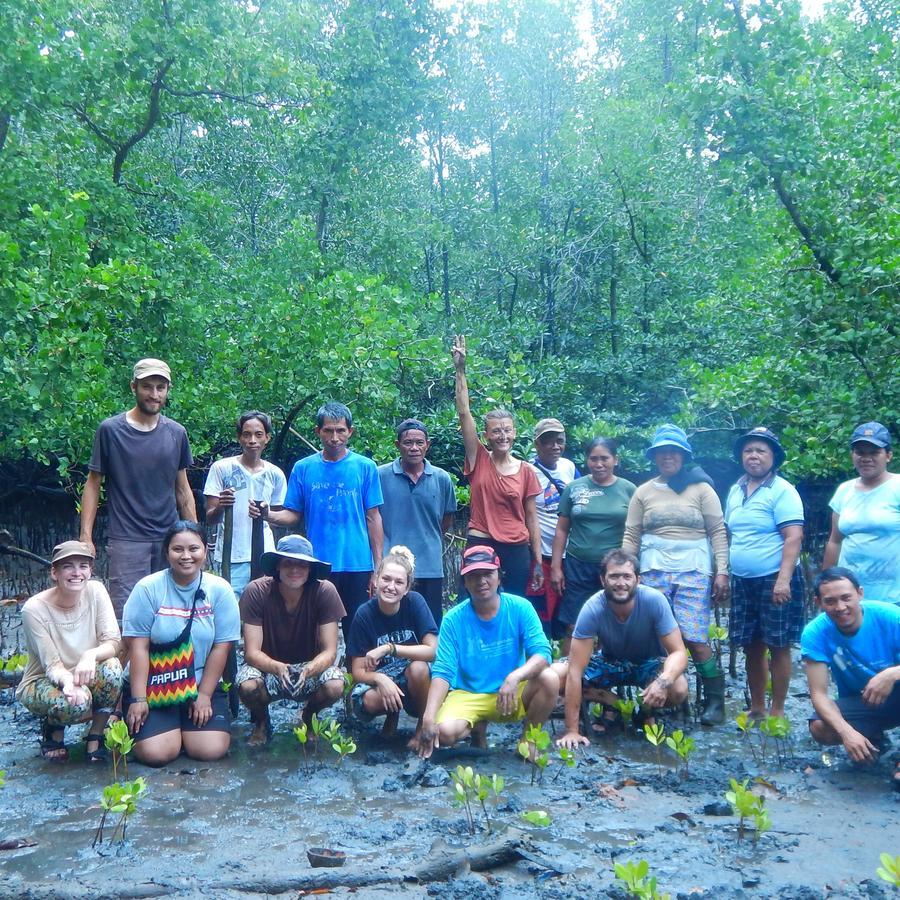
x: 492, y: 661
x: 859, y: 642
x: 336, y: 494
x: 638, y: 643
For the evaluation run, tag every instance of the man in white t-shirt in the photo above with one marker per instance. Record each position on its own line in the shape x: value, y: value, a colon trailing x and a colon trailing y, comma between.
x: 234, y: 482
x: 553, y: 472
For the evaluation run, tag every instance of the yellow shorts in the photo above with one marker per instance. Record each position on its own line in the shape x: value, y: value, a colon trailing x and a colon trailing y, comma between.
x: 477, y: 707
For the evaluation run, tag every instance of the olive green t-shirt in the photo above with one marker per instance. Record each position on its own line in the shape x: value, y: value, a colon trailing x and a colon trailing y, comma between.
x: 596, y: 516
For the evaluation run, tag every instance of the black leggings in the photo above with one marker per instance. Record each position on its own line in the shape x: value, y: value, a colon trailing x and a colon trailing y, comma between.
x: 515, y: 563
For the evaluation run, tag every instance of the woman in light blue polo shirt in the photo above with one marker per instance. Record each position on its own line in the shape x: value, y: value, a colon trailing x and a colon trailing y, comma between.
x: 764, y: 516
x: 865, y: 521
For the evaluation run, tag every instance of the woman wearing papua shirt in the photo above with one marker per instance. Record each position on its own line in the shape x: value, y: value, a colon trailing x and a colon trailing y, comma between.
x: 503, y: 490
x: 865, y: 522
x: 72, y: 638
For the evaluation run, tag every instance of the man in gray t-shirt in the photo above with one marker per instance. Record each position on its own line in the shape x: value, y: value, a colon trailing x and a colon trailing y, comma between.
x: 638, y: 643
x: 143, y: 458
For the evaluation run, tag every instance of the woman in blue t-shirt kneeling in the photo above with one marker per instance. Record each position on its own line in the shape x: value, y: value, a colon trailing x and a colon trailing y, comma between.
x: 392, y: 641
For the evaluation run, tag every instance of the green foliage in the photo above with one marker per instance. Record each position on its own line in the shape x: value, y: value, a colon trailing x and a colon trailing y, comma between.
x: 637, y: 882
x: 470, y: 787
x: 14, y: 663
x: 119, y: 798
x: 683, y: 745
x: 656, y: 735
x: 539, y: 817
x: 745, y: 804
x: 627, y: 709
x: 533, y: 749
x: 301, y: 732
x: 2, y: 778
x: 889, y: 870
x: 343, y: 745
x: 120, y: 743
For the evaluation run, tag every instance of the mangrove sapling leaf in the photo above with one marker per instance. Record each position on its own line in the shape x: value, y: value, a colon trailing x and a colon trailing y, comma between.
x: 778, y: 729
x: 682, y: 745
x: 567, y: 759
x: 889, y: 870
x: 119, y: 742
x: 122, y: 799
x: 226, y: 686
x: 464, y: 792
x: 301, y: 732
x: 635, y: 880
x: 317, y: 725
x: 746, y: 725
x: 343, y: 745
x: 746, y: 805
x: 539, y: 817
x: 717, y: 635
x: 627, y: 709
x: 533, y: 749
x: 556, y: 649
x: 761, y: 820
x: 656, y: 734
x: 2, y: 778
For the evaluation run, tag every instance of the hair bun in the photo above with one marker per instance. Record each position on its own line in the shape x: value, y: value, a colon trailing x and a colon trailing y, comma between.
x: 403, y: 553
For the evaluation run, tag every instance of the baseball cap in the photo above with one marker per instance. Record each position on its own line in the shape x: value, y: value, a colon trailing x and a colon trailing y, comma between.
x: 480, y: 556
x: 546, y: 425
x: 144, y: 368
x: 70, y: 548
x: 872, y: 433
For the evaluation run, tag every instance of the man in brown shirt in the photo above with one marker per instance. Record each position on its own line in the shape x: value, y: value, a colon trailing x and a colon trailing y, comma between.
x: 290, y: 622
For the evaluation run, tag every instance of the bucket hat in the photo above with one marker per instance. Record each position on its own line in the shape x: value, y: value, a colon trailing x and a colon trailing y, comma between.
x: 669, y: 435
x: 296, y: 547
x: 760, y: 433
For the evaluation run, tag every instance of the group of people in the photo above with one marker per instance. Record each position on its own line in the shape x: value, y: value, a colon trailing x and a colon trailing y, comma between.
x: 626, y: 575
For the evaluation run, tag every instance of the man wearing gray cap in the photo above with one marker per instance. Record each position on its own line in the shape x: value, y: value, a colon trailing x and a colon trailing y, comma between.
x: 143, y: 458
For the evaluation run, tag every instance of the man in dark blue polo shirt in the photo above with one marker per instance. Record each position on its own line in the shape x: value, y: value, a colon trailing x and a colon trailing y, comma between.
x: 419, y: 503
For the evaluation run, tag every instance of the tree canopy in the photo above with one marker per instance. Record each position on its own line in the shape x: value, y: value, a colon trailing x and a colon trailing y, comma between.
x: 637, y: 212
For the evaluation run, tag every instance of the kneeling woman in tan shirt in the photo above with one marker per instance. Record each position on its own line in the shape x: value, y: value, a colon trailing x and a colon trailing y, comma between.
x: 72, y: 639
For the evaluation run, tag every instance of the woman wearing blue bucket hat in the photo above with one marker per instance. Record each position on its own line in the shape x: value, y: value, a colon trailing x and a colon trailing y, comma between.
x: 676, y: 528
x: 764, y: 515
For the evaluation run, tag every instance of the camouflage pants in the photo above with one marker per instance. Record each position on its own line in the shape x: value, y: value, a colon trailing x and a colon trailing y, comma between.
x: 47, y: 701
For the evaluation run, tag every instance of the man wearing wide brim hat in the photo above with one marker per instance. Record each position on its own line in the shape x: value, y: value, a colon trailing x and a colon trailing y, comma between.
x: 764, y: 515
x: 290, y: 622
x: 143, y: 457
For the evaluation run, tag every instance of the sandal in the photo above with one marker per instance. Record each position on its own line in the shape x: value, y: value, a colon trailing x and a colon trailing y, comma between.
x: 100, y: 755
x: 50, y: 745
x: 609, y: 719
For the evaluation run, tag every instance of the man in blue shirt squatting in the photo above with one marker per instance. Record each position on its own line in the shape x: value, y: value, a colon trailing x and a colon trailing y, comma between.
x: 638, y: 643
x: 859, y: 642
x: 336, y: 493
x: 492, y: 661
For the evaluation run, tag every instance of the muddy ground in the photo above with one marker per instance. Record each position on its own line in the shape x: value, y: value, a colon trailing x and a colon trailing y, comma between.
x: 241, y: 827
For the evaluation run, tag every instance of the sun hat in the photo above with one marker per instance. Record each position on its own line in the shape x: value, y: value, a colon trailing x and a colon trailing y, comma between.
x: 760, y: 433
x: 872, y: 433
x: 144, y: 368
x: 669, y: 435
x: 479, y: 557
x: 296, y: 547
x: 547, y: 425
x: 70, y: 548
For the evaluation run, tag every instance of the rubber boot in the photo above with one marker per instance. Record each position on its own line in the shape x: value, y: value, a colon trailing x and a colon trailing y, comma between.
x: 713, y: 710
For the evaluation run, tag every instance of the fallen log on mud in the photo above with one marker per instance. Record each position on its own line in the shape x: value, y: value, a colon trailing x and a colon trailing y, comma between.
x: 441, y: 864
x: 7, y: 547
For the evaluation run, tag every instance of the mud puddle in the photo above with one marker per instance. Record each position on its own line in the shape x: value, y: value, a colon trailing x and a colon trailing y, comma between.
x: 242, y: 826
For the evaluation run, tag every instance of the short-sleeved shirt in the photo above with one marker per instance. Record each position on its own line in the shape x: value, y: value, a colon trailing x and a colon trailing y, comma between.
x: 290, y: 637
x: 268, y: 486
x: 159, y: 608
x: 476, y: 656
x: 498, y: 501
x: 140, y: 469
x: 334, y: 497
x: 596, y: 516
x: 755, y: 524
x: 55, y: 637
x: 547, y: 502
x: 371, y: 628
x: 870, y: 524
x: 854, y: 659
x: 413, y: 511
x: 638, y: 637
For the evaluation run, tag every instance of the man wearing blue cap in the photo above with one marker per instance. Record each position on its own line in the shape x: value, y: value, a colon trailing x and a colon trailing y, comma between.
x: 290, y: 622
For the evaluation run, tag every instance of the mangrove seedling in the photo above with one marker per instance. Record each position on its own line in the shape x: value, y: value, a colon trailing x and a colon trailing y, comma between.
x: 635, y: 880
x: 349, y: 682
x: 464, y: 792
x: 889, y: 870
x: 119, y: 743
x: 682, y: 745
x: 627, y: 709
x: 328, y: 730
x: 656, y: 734
x: 746, y: 725
x: 226, y: 686
x: 301, y: 732
x: 2, y: 778
x: 488, y: 787
x: 556, y: 649
x: 539, y: 817
x: 778, y: 729
x: 121, y: 798
x: 533, y: 749
x: 567, y: 760
x: 717, y: 635
x: 343, y: 745
x: 747, y: 805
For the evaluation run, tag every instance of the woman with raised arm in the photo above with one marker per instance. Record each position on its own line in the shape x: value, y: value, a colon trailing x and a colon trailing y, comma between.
x: 72, y: 638
x: 503, y: 489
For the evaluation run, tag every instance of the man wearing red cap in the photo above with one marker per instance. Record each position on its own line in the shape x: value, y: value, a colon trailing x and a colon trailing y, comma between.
x: 492, y: 660
x: 143, y: 458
